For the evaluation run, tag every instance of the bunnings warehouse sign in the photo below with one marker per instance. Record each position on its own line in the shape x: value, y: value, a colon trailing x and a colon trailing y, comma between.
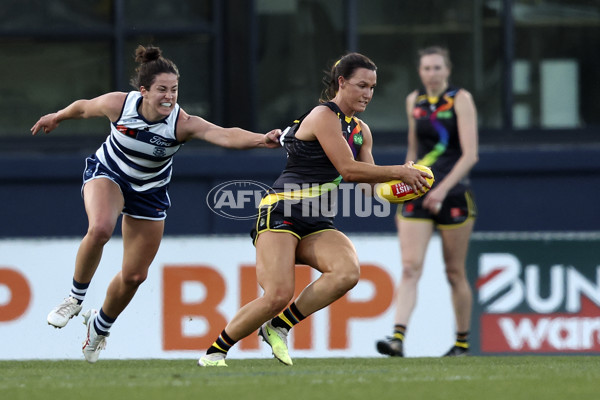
x: 536, y: 295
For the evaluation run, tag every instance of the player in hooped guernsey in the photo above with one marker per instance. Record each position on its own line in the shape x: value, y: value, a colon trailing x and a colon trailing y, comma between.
x: 140, y: 150
x: 129, y: 176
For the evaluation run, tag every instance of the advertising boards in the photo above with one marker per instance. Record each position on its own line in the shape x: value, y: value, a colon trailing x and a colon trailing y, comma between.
x: 536, y: 294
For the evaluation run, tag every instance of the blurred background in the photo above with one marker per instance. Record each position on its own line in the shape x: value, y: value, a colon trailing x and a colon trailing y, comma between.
x: 531, y: 65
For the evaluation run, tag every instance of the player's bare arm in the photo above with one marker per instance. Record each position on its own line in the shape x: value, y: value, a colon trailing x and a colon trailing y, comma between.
x: 324, y: 125
x: 108, y: 105
x: 194, y: 127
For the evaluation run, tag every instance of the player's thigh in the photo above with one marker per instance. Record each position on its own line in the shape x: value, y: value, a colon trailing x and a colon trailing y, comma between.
x: 276, y: 260
x: 414, y: 236
x: 328, y: 251
x: 103, y: 201
x: 455, y: 244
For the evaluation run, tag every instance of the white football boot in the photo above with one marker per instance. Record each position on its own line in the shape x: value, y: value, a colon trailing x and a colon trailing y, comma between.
x: 94, y: 342
x: 60, y: 316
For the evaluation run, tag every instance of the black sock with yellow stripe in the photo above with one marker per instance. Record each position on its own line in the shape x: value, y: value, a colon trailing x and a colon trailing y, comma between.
x: 222, y: 344
x: 462, y: 340
x: 399, y: 332
x: 288, y: 318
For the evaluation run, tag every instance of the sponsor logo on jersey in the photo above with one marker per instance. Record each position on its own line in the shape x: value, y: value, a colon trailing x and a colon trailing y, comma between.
x: 161, y: 141
x: 127, y: 131
x: 419, y: 113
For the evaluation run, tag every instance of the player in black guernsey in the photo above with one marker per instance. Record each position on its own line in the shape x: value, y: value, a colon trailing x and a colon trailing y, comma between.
x: 307, y: 182
x: 442, y: 134
x: 329, y: 144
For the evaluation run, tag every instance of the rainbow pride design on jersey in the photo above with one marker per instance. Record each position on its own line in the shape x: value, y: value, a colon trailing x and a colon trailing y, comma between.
x: 355, y: 138
x: 442, y: 111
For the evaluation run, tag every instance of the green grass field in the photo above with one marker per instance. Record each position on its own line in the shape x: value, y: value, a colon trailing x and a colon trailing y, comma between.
x: 477, y: 378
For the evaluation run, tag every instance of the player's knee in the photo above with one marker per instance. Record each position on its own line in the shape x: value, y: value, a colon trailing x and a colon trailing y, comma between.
x: 347, y: 277
x: 100, y: 233
x: 455, y: 275
x: 134, y: 279
x: 411, y: 269
x: 276, y: 300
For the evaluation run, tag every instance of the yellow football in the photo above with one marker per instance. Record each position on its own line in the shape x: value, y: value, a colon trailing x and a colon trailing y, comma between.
x: 397, y: 191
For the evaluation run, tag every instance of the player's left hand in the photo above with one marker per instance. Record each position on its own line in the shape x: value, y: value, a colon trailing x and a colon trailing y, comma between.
x: 433, y: 201
x: 47, y: 123
x: 272, y: 138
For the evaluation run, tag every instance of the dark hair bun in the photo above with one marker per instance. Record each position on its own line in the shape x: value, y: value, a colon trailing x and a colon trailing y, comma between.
x: 147, y: 54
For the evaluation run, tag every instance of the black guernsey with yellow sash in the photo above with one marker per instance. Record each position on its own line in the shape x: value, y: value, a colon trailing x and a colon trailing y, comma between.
x: 301, y: 199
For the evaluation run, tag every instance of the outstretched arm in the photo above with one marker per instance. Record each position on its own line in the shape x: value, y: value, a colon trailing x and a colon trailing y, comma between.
x: 108, y: 105
x: 194, y: 127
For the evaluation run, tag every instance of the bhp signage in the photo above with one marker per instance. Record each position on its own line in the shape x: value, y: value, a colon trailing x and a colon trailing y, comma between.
x: 537, y: 296
x: 194, y: 287
x: 179, y: 310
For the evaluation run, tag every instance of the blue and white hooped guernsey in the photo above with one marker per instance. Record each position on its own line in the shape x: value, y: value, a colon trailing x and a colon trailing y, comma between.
x: 140, y: 151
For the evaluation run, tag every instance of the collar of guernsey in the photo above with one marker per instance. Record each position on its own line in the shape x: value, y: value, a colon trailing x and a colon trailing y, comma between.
x: 317, y: 190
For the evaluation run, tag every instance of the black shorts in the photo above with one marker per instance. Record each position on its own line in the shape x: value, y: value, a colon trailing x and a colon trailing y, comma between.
x: 456, y: 209
x: 274, y: 216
